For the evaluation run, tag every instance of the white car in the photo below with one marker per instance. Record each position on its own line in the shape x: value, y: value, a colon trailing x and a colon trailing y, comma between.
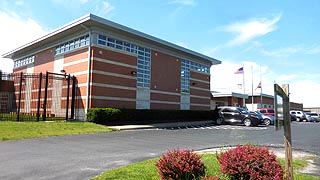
x: 300, y: 115
x: 314, y: 117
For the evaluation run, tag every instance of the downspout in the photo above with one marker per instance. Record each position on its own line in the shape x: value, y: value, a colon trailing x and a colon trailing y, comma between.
x: 89, y: 71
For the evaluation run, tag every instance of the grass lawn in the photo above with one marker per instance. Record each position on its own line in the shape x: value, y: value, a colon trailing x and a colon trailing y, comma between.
x: 23, y: 130
x: 147, y: 170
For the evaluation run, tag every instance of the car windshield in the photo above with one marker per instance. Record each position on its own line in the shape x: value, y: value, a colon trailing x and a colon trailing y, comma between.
x: 257, y: 112
x: 243, y: 111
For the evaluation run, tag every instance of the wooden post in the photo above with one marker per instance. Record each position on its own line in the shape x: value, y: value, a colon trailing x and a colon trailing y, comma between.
x: 287, y: 134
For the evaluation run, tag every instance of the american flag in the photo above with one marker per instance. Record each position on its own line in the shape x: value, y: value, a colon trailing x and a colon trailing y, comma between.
x: 259, y: 85
x: 239, y: 71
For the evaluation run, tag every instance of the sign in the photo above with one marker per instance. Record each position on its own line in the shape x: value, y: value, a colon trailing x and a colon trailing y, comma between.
x: 283, y: 119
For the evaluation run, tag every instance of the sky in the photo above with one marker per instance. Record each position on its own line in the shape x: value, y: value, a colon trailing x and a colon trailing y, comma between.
x: 275, y: 41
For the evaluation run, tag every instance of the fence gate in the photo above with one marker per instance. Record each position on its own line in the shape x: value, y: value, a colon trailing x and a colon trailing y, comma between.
x: 36, y: 97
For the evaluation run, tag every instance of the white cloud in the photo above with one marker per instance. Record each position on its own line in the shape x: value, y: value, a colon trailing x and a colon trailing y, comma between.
x: 183, y: 2
x: 15, y: 32
x: 314, y: 50
x: 211, y: 51
x: 283, y: 52
x: 303, y: 87
x: 69, y: 2
x: 104, y: 8
x: 246, y: 31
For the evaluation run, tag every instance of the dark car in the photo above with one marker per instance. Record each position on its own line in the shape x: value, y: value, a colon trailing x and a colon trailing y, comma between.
x: 237, y: 115
x: 267, y: 120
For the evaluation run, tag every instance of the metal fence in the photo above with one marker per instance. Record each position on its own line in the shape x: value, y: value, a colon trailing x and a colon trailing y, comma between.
x: 37, y: 97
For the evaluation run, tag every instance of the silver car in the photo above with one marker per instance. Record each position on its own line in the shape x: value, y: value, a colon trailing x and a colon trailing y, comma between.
x: 314, y: 117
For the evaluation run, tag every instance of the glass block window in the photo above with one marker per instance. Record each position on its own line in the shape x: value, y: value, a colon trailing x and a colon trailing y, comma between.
x: 23, y: 62
x: 186, y: 66
x: 73, y: 44
x: 144, y: 57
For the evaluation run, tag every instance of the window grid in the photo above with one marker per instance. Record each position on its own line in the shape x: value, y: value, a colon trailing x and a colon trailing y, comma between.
x: 23, y: 62
x: 73, y: 44
x: 144, y: 57
x: 186, y: 66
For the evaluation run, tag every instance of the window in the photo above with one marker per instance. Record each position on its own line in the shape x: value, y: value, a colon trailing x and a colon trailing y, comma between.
x: 73, y: 44
x: 186, y: 66
x: 144, y: 57
x: 23, y: 62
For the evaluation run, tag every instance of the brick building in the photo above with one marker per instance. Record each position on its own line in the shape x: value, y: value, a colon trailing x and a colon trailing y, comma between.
x: 236, y: 99
x: 117, y: 66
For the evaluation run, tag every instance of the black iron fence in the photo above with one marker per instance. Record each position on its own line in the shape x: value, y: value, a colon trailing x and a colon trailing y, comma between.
x: 37, y: 97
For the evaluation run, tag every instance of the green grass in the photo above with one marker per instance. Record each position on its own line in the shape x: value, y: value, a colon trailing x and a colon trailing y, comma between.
x: 147, y: 170
x: 23, y: 130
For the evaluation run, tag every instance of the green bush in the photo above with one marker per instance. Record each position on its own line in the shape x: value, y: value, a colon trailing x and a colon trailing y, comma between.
x: 114, y: 116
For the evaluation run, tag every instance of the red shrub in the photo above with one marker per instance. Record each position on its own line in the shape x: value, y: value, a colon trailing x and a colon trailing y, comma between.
x: 250, y: 162
x: 180, y: 165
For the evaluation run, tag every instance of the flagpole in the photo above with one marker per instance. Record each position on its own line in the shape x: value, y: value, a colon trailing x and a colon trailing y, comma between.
x: 244, y: 88
x: 260, y: 88
x: 252, y: 88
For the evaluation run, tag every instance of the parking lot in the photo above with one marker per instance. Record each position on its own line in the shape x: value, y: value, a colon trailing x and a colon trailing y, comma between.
x: 80, y: 157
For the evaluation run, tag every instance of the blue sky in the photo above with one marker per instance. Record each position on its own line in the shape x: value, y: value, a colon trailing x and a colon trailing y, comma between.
x: 275, y: 41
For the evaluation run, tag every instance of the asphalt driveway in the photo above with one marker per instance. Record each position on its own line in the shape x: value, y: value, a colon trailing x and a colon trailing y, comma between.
x: 84, y: 156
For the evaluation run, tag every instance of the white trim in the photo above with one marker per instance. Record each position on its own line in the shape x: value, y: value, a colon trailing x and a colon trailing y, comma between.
x: 113, y: 98
x: 201, y: 97
x: 165, y: 102
x: 165, y: 92
x: 201, y: 89
x: 113, y: 86
x: 114, y: 62
x: 85, y: 72
x: 202, y: 105
x: 113, y: 74
x: 198, y: 80
x: 75, y: 62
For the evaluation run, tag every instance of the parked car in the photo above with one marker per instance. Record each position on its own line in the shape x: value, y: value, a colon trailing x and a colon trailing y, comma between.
x: 237, y: 115
x: 293, y: 117
x: 267, y: 111
x: 300, y: 115
x: 314, y: 117
x: 267, y: 120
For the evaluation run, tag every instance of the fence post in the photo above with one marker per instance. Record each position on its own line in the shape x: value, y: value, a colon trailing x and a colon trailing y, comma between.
x: 19, y: 100
x: 45, y: 97
x: 67, y: 105
x: 39, y: 97
x: 73, y: 96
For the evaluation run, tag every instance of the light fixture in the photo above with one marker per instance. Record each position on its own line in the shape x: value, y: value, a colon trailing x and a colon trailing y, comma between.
x: 63, y: 71
x: 193, y: 84
x: 133, y: 72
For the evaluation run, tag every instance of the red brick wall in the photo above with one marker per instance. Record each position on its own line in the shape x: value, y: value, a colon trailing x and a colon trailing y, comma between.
x: 44, y: 60
x: 112, y: 69
x: 165, y: 77
x: 197, y: 80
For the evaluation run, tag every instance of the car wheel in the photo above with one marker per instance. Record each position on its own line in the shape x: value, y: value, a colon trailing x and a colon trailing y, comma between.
x: 247, y: 122
x: 267, y: 122
x: 220, y: 121
x: 298, y: 119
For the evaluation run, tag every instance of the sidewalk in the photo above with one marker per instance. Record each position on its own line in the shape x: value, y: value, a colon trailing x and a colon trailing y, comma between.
x: 162, y: 125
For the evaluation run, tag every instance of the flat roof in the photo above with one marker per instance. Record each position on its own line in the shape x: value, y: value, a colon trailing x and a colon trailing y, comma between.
x: 91, y: 20
x: 229, y: 94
